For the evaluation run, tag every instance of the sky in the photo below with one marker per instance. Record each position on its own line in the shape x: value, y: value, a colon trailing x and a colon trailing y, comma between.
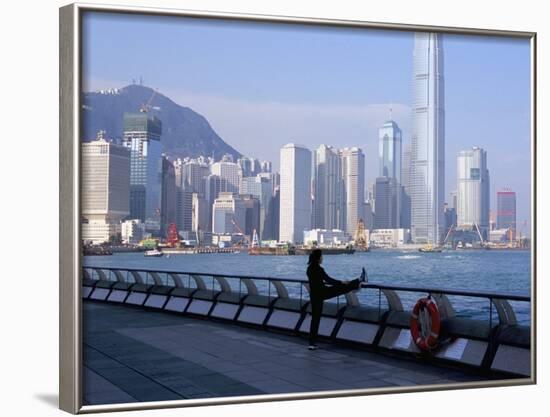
x: 262, y: 85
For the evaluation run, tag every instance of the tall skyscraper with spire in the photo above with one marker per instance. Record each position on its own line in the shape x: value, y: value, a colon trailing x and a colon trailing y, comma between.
x: 427, y: 177
x: 389, y: 150
x: 388, y: 187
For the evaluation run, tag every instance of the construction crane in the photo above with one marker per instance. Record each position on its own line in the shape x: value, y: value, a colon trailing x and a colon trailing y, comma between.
x: 255, y: 240
x: 520, y: 241
x: 245, y: 238
x: 479, y: 234
x: 448, y: 234
x: 147, y: 106
x: 360, y: 237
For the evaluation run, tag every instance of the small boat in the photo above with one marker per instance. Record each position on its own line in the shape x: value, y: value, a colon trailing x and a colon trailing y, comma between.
x: 153, y: 252
x: 430, y: 248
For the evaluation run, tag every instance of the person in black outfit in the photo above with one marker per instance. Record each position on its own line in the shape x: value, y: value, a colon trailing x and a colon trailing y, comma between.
x: 319, y: 292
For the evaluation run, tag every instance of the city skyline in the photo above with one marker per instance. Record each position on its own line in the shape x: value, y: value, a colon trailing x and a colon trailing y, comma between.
x: 477, y: 68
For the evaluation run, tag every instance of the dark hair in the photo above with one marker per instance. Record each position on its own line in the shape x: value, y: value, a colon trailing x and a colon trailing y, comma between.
x: 314, y: 257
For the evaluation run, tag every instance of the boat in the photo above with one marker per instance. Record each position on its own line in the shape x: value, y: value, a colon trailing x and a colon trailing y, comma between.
x: 430, y: 248
x: 153, y: 253
x: 333, y: 250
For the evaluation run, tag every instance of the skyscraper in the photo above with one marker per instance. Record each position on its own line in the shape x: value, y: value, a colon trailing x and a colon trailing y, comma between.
x: 327, y: 209
x: 506, y: 211
x: 169, y: 196
x: 473, y: 196
x: 231, y: 172
x: 142, y: 136
x: 295, y: 189
x: 260, y: 187
x: 427, y: 180
x: 191, y: 174
x: 387, y: 196
x: 213, y: 186
x: 405, y: 183
x: 389, y: 151
x: 228, y: 214
x: 388, y: 190
x: 105, y: 189
x: 353, y: 191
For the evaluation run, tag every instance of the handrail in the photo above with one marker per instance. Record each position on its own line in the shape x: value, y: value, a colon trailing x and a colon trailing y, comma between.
x: 430, y: 290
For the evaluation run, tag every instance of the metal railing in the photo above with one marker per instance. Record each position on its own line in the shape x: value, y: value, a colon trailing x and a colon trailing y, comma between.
x: 156, y: 277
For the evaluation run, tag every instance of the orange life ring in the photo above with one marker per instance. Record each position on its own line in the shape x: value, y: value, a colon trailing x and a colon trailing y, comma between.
x: 425, y: 333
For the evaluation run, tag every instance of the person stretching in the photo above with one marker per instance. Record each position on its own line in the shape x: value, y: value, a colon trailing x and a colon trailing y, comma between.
x: 318, y: 291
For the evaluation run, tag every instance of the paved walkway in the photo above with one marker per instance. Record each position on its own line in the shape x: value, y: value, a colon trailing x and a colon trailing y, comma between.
x: 132, y: 354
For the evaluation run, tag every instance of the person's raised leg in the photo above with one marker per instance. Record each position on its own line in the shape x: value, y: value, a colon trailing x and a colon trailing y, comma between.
x: 340, y: 289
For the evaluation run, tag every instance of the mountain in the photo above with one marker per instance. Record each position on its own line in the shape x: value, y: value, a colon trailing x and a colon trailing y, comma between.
x: 184, y: 131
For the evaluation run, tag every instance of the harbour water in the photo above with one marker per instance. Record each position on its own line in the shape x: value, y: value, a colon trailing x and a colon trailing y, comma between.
x: 506, y: 271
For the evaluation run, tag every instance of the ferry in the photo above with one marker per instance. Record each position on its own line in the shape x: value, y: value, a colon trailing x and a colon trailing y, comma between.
x: 430, y: 248
x: 153, y: 252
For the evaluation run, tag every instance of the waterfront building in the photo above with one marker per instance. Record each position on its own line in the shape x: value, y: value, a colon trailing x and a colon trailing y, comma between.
x: 295, y: 193
x: 353, y: 187
x: 105, y: 189
x: 473, y: 197
x: 328, y: 209
x: 132, y: 231
x: 228, y: 213
x: 387, y: 197
x: 389, y: 238
x: 427, y: 171
x: 142, y: 136
x: 226, y: 240
x: 229, y: 171
x: 323, y: 237
x: 499, y: 235
x: 168, y: 208
x: 506, y: 211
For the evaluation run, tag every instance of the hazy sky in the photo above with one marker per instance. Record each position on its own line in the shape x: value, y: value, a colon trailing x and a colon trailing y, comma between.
x: 263, y: 85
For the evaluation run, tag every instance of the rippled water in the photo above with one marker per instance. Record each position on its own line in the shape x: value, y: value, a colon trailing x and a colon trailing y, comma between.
x: 497, y: 271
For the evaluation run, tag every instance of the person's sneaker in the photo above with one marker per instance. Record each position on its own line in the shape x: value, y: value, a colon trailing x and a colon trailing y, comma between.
x: 313, y: 347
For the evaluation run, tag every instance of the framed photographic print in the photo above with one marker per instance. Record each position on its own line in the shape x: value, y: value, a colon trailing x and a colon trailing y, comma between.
x: 258, y: 208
